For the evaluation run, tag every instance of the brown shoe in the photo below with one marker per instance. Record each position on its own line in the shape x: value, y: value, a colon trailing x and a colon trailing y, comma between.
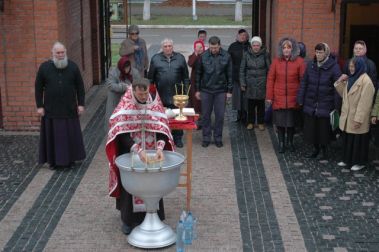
x: 250, y: 126
x: 261, y: 127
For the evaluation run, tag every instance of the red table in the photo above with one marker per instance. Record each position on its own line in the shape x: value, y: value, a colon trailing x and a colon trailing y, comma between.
x: 189, y: 125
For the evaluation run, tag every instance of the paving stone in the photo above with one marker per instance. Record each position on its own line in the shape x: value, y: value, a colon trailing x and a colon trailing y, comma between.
x: 368, y: 204
x: 344, y: 229
x: 326, y: 207
x: 344, y: 198
x: 351, y: 192
x: 359, y: 214
x: 351, y: 183
x: 328, y: 237
x: 340, y: 249
x: 327, y: 217
x: 320, y: 195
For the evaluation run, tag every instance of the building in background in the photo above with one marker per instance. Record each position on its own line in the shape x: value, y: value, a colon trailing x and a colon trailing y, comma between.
x: 28, y: 29
x: 339, y: 23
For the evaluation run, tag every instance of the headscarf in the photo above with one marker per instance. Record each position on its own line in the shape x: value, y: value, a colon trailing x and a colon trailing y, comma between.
x: 198, y: 42
x: 327, y: 54
x: 121, y: 67
x: 360, y: 68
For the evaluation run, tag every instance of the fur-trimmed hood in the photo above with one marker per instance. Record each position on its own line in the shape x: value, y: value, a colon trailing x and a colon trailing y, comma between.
x: 295, y: 48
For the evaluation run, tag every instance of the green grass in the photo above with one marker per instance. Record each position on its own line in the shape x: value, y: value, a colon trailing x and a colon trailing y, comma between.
x: 115, y: 56
x: 175, y: 20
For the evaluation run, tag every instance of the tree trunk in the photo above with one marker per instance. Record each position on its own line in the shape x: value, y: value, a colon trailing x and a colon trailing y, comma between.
x: 146, y: 10
x: 238, y: 11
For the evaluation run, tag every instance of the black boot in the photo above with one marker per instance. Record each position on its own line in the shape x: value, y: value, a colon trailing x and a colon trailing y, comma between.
x: 315, y: 152
x: 290, y: 133
x: 282, y: 146
x: 324, y: 153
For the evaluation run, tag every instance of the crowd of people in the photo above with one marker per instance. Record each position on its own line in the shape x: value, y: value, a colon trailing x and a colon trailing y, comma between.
x: 296, y: 91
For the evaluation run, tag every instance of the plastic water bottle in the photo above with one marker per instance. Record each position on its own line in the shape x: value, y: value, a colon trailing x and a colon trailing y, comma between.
x: 194, y: 228
x: 188, y: 228
x: 179, y: 237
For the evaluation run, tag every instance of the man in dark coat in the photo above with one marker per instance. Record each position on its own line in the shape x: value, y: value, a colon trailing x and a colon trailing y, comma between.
x: 214, y: 84
x: 236, y: 51
x: 360, y: 50
x: 167, y: 70
x: 59, y: 94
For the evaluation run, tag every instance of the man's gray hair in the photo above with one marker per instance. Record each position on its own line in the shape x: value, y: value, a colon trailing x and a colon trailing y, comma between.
x: 57, y: 44
x: 167, y: 41
x: 141, y: 83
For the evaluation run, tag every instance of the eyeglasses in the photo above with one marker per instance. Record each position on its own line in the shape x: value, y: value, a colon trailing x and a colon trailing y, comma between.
x: 134, y: 33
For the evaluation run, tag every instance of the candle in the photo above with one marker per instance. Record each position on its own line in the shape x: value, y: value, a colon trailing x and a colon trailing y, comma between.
x: 189, y: 87
x: 182, y: 89
x: 176, y: 90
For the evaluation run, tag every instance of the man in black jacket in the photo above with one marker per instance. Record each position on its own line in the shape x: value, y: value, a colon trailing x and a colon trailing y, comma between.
x: 167, y: 70
x: 236, y: 50
x: 214, y: 82
x: 59, y: 94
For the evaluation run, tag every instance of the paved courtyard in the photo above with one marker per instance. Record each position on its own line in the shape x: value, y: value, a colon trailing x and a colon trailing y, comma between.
x: 246, y: 195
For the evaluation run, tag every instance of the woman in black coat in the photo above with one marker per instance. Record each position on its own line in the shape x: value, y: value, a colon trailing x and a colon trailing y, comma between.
x: 317, y: 96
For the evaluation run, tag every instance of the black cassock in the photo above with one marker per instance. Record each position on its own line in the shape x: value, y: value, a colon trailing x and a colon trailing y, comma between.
x: 125, y: 202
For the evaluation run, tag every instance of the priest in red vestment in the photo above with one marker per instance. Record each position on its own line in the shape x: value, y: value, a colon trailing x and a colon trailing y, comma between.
x: 139, y: 104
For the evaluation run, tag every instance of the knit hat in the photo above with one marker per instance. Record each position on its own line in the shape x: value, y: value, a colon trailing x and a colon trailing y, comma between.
x: 256, y: 39
x: 133, y: 29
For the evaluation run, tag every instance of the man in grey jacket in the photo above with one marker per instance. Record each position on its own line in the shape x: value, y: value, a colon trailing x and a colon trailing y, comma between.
x: 214, y: 82
x: 167, y: 70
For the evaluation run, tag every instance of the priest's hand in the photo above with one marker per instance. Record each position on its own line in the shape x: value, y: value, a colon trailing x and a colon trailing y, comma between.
x: 142, y: 155
x: 159, y: 155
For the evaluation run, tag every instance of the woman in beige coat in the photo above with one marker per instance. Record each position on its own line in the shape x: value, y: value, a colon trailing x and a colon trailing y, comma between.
x: 357, y: 92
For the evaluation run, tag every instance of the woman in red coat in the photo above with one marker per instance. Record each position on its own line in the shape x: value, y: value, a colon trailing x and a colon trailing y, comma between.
x: 283, y: 83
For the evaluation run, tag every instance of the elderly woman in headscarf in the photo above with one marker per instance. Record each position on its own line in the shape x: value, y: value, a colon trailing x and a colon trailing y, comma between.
x: 193, y: 60
x: 318, y: 96
x: 357, y: 92
x: 283, y: 83
x: 135, y: 48
x: 119, y: 79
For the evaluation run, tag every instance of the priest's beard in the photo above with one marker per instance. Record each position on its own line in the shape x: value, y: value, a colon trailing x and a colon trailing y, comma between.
x: 60, y: 64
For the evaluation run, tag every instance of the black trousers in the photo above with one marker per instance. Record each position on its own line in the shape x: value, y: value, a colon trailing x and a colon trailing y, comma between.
x: 259, y: 106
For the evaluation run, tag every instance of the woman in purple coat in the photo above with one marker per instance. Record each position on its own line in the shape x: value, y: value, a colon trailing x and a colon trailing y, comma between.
x: 318, y: 96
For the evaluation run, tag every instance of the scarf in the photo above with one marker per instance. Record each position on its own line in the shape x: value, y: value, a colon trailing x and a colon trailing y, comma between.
x: 121, y: 67
x: 360, y: 68
x: 139, y: 55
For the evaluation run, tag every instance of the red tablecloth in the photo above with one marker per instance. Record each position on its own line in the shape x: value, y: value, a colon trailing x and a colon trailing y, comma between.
x: 184, y: 125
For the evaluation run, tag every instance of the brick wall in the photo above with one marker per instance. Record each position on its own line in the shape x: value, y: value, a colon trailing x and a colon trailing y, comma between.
x: 310, y: 21
x: 28, y: 29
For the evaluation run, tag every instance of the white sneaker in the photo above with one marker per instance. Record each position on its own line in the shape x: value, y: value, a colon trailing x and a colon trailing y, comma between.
x: 342, y: 164
x: 357, y: 167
